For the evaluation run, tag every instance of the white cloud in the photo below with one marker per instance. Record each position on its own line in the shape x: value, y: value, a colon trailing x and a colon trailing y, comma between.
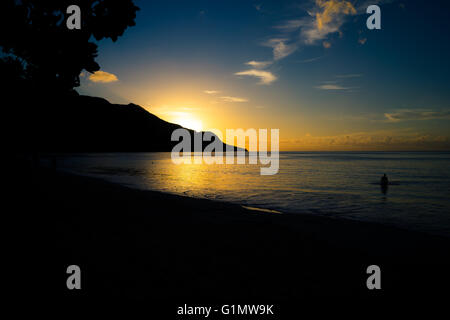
x: 259, y: 64
x: 419, y: 114
x: 233, y: 99
x: 103, y: 77
x: 211, y: 91
x: 265, y: 77
x: 336, y: 84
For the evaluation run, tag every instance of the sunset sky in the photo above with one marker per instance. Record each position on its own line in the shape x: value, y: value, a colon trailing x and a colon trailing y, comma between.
x: 309, y: 68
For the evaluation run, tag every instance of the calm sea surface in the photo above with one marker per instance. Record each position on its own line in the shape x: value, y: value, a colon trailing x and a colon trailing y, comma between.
x: 337, y: 184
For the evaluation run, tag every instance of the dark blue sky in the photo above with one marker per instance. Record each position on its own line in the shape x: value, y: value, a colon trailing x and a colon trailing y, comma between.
x: 269, y: 64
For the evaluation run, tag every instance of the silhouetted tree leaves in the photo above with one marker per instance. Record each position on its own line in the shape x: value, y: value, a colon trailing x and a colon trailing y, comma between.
x: 34, y: 32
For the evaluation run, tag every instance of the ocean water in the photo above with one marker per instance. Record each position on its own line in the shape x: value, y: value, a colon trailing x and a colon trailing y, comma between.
x: 336, y: 184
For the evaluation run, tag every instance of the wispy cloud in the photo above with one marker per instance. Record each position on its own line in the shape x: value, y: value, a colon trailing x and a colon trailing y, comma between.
x: 336, y: 84
x: 103, y: 77
x: 280, y: 47
x: 233, y: 99
x: 265, y: 77
x: 224, y: 98
x: 331, y: 87
x: 259, y: 64
x: 291, y: 25
x: 410, y: 114
x: 324, y: 18
x: 312, y: 59
x: 331, y: 13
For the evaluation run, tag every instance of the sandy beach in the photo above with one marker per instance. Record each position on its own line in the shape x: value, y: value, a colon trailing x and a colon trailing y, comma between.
x: 149, y: 246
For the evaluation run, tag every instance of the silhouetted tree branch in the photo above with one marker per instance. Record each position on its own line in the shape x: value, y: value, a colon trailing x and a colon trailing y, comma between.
x: 34, y: 33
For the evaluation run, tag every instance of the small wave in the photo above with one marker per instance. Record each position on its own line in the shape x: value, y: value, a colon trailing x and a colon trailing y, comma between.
x: 260, y: 209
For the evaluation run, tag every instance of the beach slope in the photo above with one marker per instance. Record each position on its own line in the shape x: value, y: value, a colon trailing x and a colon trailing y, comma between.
x: 152, y: 246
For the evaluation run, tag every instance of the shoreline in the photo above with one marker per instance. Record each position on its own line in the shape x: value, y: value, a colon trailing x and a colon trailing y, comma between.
x: 269, y: 209
x: 189, y: 248
x: 418, y: 204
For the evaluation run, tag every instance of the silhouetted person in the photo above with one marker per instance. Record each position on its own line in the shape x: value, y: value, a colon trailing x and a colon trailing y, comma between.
x: 384, y: 180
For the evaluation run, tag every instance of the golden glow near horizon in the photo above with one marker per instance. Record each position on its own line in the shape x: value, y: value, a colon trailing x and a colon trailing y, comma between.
x: 188, y: 121
x: 304, y: 125
x: 203, y: 115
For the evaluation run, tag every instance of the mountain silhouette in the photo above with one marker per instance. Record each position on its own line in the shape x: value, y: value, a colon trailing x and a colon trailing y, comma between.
x: 80, y: 123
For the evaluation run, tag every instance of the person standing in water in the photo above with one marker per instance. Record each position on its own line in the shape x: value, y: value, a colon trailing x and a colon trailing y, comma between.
x: 384, y: 180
